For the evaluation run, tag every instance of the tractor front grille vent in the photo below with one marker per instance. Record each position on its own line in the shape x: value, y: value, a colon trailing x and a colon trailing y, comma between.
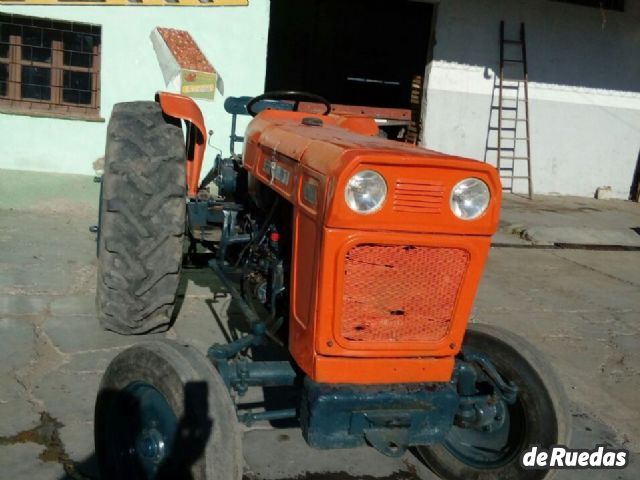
x: 401, y: 293
x: 418, y: 196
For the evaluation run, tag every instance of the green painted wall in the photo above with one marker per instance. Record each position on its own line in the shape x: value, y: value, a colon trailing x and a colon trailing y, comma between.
x: 234, y: 39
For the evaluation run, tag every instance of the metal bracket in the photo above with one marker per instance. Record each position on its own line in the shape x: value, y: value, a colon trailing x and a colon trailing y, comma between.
x: 392, y: 442
x: 508, y: 391
x: 476, y: 410
x: 249, y: 418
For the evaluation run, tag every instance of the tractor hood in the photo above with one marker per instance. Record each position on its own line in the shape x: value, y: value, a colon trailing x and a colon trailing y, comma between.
x: 309, y: 159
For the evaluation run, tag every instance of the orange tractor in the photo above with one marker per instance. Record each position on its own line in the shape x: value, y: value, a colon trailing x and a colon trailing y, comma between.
x: 354, y: 260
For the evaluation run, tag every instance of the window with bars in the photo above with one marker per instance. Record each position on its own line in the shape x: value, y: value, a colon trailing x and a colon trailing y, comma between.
x: 49, y: 67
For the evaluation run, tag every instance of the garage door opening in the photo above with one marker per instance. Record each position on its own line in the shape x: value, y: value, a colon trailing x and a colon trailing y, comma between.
x: 356, y: 52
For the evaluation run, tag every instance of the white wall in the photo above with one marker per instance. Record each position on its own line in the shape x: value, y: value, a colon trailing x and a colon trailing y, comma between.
x: 585, y: 84
x: 584, y: 89
x: 234, y: 39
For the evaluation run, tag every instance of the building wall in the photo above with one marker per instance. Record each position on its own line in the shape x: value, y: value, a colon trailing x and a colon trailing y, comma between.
x: 584, y: 71
x: 584, y: 90
x: 234, y: 39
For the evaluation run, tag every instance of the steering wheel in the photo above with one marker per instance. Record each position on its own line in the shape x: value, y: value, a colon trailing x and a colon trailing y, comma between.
x: 294, y: 95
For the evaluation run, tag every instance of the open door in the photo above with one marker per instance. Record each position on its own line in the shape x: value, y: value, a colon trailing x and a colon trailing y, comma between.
x: 357, y: 52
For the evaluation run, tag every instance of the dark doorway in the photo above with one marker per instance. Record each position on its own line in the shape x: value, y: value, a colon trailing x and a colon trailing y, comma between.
x: 634, y: 193
x: 356, y: 52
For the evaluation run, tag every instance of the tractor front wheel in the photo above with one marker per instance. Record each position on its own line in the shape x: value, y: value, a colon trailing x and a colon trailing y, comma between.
x: 142, y: 219
x: 539, y: 415
x: 164, y: 413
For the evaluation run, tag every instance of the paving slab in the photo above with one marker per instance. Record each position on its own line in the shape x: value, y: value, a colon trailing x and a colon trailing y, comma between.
x: 50, y: 193
x: 559, y: 211
x: 46, y: 239
x: 532, y: 280
x: 550, y: 220
x: 32, y: 279
x: 74, y: 438
x: 21, y: 462
x: 17, y: 349
x: 17, y: 343
x: 508, y: 237
x: 201, y: 283
x: 23, y: 305
x: 16, y: 412
x: 589, y: 431
x: 204, y: 321
x: 622, y: 266
x: 80, y: 333
x: 618, y: 237
x: 70, y: 305
x: 68, y: 396
x: 94, y: 361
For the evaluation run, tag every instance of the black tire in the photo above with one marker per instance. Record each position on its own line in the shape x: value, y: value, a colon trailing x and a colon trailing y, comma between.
x: 142, y: 220
x: 206, y: 443
x: 542, y: 407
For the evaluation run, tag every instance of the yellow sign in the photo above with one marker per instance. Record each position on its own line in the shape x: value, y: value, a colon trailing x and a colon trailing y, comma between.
x: 197, y: 84
x: 168, y: 3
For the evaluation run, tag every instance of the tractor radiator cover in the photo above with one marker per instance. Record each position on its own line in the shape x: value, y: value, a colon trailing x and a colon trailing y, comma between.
x: 401, y: 293
x: 344, y: 416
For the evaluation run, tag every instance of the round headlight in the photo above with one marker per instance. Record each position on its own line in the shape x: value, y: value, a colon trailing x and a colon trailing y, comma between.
x: 365, y: 192
x: 469, y: 198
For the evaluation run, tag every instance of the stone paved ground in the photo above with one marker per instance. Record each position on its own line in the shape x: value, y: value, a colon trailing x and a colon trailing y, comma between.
x: 580, y: 307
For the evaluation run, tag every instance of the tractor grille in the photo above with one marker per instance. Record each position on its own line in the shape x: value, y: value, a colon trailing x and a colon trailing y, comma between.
x: 418, y: 196
x: 400, y: 293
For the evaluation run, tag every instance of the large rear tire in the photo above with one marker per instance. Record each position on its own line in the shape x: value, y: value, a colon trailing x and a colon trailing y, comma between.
x: 539, y: 416
x: 142, y: 220
x: 164, y: 413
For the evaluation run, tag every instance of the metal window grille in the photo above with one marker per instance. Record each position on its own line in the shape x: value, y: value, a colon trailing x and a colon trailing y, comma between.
x: 49, y: 66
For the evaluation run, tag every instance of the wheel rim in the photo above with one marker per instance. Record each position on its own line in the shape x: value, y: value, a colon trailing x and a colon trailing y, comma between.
x: 489, y: 449
x: 496, y: 445
x: 143, y: 427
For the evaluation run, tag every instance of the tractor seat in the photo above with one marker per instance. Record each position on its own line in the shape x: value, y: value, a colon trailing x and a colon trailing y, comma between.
x: 238, y: 105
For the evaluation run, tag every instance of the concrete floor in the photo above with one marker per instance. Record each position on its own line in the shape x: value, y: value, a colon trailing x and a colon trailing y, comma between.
x: 580, y: 307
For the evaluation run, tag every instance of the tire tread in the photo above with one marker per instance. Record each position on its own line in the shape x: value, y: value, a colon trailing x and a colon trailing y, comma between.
x: 143, y: 218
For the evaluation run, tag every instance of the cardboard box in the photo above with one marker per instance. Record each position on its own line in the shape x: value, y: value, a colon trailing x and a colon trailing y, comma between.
x: 184, y: 67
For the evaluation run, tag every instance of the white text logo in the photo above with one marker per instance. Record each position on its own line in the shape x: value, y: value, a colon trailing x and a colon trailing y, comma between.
x: 559, y: 456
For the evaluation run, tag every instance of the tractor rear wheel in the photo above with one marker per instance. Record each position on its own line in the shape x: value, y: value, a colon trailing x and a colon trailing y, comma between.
x: 142, y: 220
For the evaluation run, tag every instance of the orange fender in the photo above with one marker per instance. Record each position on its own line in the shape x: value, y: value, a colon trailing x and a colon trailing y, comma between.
x: 184, y: 108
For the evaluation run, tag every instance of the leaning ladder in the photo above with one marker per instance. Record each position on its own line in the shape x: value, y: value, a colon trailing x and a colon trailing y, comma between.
x: 514, y: 144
